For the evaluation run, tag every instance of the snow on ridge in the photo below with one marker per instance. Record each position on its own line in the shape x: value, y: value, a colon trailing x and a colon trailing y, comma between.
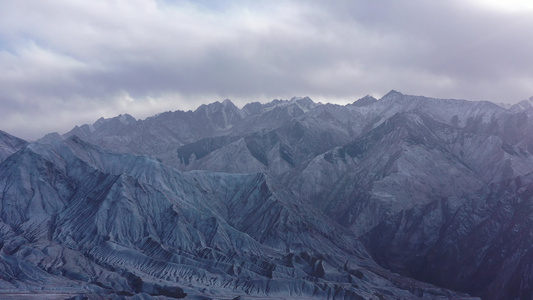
x: 522, y: 105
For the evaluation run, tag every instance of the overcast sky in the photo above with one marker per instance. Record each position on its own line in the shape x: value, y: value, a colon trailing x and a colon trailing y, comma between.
x: 68, y: 62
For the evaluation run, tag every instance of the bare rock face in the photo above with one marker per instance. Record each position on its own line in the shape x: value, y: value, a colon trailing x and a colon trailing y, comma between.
x: 80, y: 220
x: 9, y: 144
x: 479, y: 244
x: 288, y: 199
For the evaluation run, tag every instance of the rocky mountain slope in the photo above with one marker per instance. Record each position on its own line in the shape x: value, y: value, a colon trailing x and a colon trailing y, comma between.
x: 290, y: 198
x: 480, y: 243
x: 78, y: 219
x: 9, y: 144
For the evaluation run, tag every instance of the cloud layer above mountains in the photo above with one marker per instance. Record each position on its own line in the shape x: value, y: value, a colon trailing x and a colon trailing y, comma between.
x: 71, y: 62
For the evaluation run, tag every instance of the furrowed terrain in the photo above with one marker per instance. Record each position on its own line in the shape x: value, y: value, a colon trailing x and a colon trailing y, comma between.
x: 397, y: 198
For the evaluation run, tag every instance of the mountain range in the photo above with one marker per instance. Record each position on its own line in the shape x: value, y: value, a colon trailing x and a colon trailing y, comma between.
x: 398, y: 198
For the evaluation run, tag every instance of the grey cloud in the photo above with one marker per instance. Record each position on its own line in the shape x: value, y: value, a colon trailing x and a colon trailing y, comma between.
x: 62, y: 55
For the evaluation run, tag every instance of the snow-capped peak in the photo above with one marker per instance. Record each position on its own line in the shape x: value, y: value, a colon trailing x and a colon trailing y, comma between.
x: 366, y: 100
x: 522, y: 105
x: 392, y: 93
x: 126, y: 119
